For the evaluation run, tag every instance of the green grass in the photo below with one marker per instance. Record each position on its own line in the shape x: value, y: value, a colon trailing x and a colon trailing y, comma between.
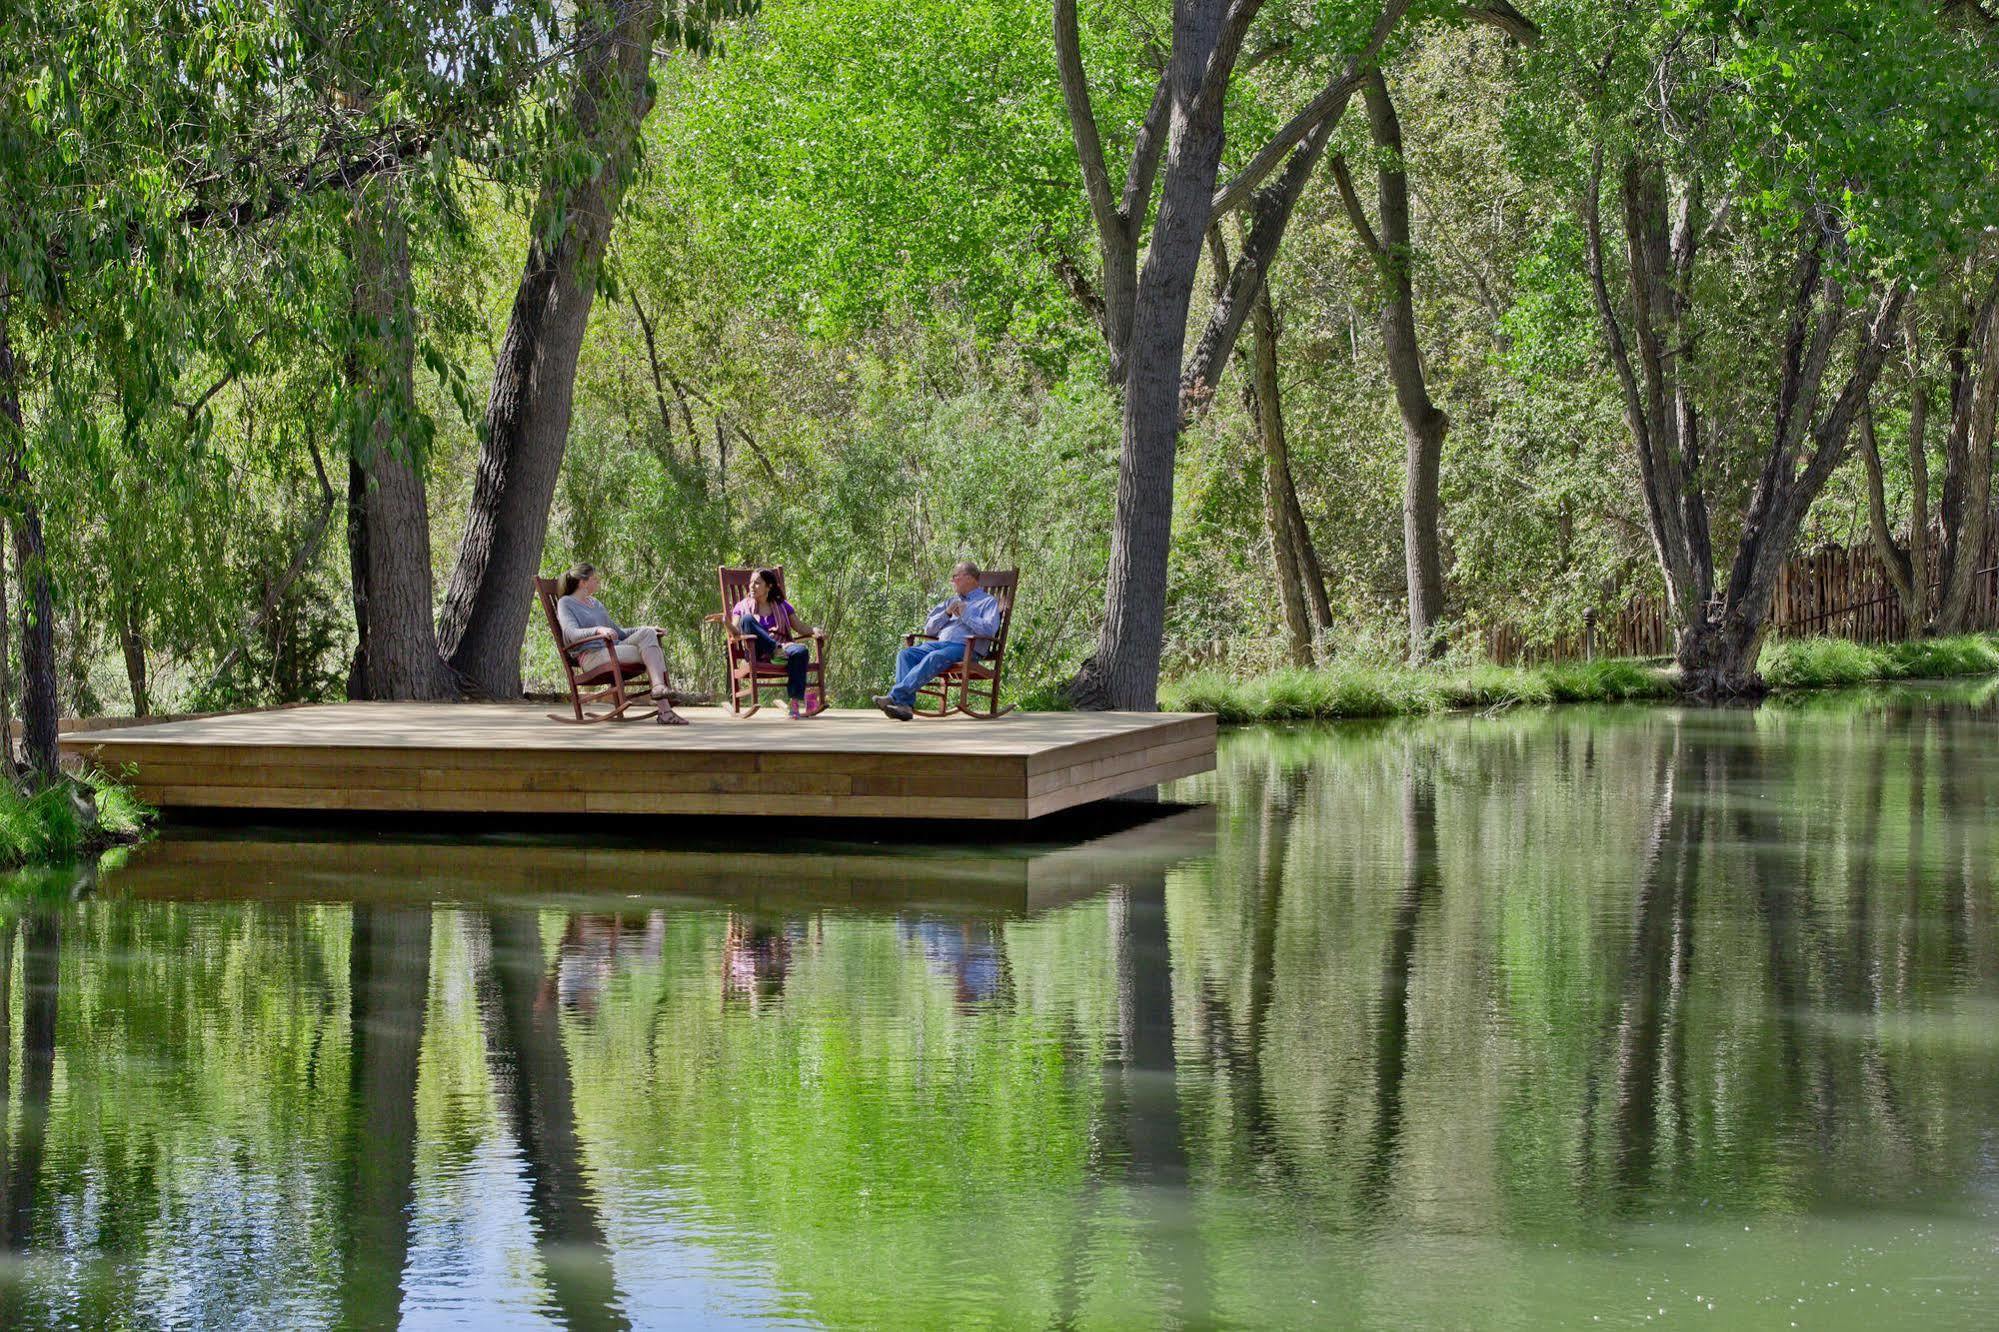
x: 1347, y: 690
x: 1822, y: 663
x: 50, y: 826
x: 1340, y: 690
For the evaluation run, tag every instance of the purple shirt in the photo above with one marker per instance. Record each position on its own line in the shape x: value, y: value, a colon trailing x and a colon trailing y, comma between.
x: 776, y: 620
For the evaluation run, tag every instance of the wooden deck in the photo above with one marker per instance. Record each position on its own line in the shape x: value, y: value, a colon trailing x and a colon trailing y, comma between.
x: 508, y: 759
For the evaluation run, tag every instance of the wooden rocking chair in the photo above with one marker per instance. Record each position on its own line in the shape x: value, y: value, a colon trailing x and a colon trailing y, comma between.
x: 621, y: 691
x: 984, y: 659
x: 749, y: 677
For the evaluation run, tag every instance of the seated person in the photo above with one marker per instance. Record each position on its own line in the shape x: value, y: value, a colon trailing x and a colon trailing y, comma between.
x: 970, y: 612
x: 584, y: 620
x: 769, y: 619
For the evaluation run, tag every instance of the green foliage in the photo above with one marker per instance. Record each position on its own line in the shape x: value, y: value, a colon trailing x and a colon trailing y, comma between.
x: 67, y: 818
x: 1817, y: 663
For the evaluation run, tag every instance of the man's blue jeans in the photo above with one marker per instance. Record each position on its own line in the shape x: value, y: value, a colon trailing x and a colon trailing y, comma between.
x: 920, y: 663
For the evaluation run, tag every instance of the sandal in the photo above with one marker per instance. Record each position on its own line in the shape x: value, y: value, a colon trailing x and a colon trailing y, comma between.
x: 666, y: 716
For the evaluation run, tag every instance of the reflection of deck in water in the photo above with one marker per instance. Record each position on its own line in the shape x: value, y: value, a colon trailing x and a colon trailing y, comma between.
x: 511, y: 759
x: 296, y: 865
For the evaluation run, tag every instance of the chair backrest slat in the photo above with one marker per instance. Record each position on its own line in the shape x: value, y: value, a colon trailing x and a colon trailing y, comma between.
x: 735, y: 581
x: 1002, y: 583
x: 545, y: 590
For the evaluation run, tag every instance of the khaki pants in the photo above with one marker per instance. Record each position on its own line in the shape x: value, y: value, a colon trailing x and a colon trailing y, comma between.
x: 630, y: 652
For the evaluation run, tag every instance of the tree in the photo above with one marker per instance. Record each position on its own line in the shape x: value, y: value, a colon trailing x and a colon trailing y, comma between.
x: 134, y: 151
x: 1965, y: 515
x: 1423, y: 422
x: 586, y: 168
x: 1145, y: 308
x: 1823, y: 148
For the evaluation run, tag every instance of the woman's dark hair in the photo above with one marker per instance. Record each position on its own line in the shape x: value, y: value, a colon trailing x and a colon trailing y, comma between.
x: 575, y: 578
x: 775, y: 582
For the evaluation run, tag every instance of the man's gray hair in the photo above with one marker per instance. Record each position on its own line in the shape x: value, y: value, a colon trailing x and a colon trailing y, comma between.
x: 967, y: 566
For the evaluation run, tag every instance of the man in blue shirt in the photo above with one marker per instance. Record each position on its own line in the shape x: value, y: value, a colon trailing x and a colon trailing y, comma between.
x: 971, y: 613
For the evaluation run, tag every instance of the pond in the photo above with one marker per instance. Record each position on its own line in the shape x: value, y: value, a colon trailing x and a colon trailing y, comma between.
x: 1580, y: 1017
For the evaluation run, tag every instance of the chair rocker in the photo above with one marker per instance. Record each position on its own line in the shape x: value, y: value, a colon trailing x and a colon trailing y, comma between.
x: 977, y: 677
x: 618, y: 688
x: 747, y: 676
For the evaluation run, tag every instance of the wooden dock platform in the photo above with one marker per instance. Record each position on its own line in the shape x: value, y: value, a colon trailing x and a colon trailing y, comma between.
x: 462, y: 758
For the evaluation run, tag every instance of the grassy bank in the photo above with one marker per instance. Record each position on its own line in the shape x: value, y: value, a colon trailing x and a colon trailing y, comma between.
x: 73, y: 818
x: 1339, y: 691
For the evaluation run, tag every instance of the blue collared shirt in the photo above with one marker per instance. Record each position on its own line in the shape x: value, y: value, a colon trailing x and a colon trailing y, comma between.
x: 980, y: 618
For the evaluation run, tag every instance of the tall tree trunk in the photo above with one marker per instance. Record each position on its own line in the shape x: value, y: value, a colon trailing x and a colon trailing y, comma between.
x: 1909, y: 579
x: 1967, y: 506
x: 31, y: 565
x: 397, y: 651
x: 1424, y: 424
x: 132, y: 642
x: 486, y: 605
x: 357, y: 575
x: 1124, y: 673
x: 9, y: 774
x: 1301, y: 585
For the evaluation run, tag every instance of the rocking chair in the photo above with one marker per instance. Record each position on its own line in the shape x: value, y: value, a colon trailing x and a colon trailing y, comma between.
x: 622, y: 690
x: 980, y: 671
x: 749, y: 677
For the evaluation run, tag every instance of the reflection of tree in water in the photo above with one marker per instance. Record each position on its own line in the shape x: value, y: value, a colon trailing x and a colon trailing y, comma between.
x: 531, y: 1077
x: 388, y: 987
x: 1635, y: 1061
x: 1420, y: 878
x: 21, y: 1168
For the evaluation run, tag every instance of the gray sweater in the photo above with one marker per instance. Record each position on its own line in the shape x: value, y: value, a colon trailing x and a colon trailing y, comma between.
x: 579, y: 615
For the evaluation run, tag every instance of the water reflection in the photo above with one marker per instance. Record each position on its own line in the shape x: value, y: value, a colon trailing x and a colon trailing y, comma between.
x: 1504, y: 1022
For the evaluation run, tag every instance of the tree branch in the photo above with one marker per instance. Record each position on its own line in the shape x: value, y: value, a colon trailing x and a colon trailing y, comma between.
x: 1330, y: 104
x: 1356, y: 214
x: 1082, y: 116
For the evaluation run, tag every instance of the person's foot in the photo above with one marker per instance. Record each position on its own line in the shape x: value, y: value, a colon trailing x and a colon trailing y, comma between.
x: 666, y: 716
x: 899, y: 711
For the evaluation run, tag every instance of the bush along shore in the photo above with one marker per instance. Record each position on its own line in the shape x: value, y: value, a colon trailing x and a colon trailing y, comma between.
x: 67, y: 820
x: 1349, y: 691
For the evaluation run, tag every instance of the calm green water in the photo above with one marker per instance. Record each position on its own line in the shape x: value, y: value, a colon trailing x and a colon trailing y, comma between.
x: 1582, y: 1018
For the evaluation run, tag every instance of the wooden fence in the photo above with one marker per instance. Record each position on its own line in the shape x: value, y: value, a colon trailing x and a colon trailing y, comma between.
x: 1832, y: 591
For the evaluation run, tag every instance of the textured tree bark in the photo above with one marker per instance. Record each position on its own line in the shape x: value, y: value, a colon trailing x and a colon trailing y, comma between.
x: 1911, y: 582
x: 1719, y: 636
x: 1125, y: 671
x: 8, y: 772
x: 1967, y: 507
x: 486, y: 604
x: 132, y: 643
x: 1301, y: 585
x: 31, y: 566
x: 1424, y: 424
x: 397, y: 651
x: 1207, y: 39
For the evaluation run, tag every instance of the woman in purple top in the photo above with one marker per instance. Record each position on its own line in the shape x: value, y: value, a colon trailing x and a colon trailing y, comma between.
x: 769, y: 619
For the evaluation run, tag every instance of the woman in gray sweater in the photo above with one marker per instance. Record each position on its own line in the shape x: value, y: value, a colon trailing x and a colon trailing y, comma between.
x: 584, y: 620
